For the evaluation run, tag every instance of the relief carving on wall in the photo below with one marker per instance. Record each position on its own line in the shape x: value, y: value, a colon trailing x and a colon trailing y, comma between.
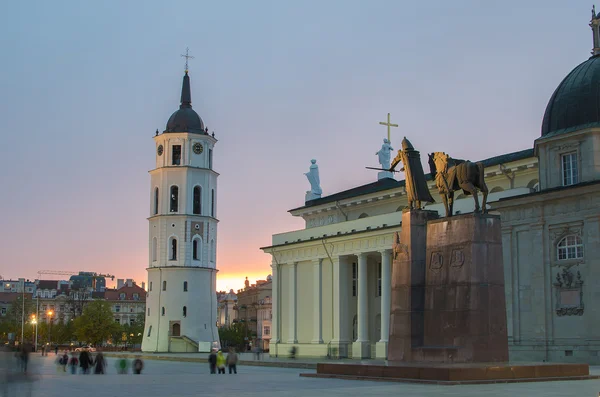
x: 398, y: 247
x: 437, y: 261
x: 457, y: 258
x: 569, y: 293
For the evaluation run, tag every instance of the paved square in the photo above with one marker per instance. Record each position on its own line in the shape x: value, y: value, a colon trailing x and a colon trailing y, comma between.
x: 165, y: 378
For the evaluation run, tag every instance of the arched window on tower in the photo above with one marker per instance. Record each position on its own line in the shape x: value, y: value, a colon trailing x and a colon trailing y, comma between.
x: 185, y: 311
x: 196, y: 249
x: 212, y: 203
x: 174, y: 199
x: 173, y: 249
x: 154, y: 249
x: 155, y: 201
x: 197, y: 200
x: 163, y: 311
x: 164, y: 285
x: 212, y: 250
x: 185, y: 286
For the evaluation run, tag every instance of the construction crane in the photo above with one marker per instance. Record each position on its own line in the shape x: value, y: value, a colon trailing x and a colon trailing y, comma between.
x: 92, y: 275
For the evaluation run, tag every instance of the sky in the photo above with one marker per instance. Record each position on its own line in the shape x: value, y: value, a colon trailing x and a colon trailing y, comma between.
x: 84, y: 85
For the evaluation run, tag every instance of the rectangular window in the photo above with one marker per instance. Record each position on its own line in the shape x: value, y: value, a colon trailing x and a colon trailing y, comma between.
x: 117, y: 308
x: 176, y: 157
x: 150, y: 289
x: 210, y: 159
x: 354, y: 279
x: 267, y: 330
x: 148, y: 314
x: 379, y: 279
x: 212, y: 203
x: 131, y: 321
x: 3, y: 311
x: 569, y: 169
x: 117, y: 321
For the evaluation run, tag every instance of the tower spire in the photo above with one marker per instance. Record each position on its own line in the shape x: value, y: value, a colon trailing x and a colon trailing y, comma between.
x: 186, y: 92
x: 595, y: 25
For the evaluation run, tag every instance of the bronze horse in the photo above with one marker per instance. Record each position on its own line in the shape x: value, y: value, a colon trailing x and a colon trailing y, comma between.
x: 451, y: 175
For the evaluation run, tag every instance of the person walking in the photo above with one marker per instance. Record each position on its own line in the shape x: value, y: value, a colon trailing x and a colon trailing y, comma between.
x: 221, y: 362
x: 138, y: 365
x: 56, y: 350
x: 99, y: 363
x: 64, y: 361
x: 85, y: 361
x: 73, y: 363
x: 232, y: 360
x: 122, y: 366
x: 212, y: 362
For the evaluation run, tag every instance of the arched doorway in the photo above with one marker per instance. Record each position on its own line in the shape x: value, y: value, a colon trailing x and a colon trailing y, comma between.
x: 176, y: 329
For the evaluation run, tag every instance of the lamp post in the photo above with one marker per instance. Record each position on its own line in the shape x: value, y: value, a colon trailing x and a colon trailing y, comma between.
x: 34, y: 325
x: 50, y: 313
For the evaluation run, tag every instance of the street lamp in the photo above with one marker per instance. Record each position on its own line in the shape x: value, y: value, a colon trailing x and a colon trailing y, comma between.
x: 34, y: 325
x: 50, y: 313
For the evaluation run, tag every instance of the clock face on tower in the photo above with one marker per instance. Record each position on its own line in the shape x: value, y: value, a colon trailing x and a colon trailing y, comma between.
x: 159, y: 150
x: 198, y: 148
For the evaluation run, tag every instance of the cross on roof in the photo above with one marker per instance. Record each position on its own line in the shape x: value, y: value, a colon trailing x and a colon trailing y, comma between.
x: 187, y: 57
x: 389, y: 124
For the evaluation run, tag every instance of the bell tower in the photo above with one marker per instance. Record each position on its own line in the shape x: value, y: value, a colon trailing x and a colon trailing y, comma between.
x: 181, y: 308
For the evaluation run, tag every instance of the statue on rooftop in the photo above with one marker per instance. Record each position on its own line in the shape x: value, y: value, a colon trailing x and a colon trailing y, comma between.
x: 414, y: 177
x: 384, y: 154
x: 315, y: 183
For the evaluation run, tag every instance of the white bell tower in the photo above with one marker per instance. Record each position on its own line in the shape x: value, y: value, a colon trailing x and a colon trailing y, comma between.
x: 181, y: 307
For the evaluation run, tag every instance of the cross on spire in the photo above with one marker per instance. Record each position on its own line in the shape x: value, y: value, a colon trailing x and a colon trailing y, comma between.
x: 388, y: 124
x: 187, y: 57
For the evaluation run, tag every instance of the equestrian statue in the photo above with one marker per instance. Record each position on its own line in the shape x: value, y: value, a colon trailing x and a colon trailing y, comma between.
x: 452, y: 175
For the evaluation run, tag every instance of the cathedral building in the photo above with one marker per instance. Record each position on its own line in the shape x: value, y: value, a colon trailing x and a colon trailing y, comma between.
x: 181, y: 303
x: 548, y: 198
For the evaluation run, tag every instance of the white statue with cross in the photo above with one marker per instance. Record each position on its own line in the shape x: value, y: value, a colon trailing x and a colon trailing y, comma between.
x: 384, y: 153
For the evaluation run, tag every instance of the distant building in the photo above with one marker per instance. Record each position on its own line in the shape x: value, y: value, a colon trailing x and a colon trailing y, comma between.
x: 126, y: 302
x: 226, y: 308
x: 17, y: 286
x: 254, y: 310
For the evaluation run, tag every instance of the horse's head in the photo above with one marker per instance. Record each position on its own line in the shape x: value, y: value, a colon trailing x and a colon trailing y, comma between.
x: 440, y: 159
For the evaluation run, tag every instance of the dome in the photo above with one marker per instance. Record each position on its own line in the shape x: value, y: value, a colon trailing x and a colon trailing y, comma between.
x: 185, y: 119
x: 576, y: 102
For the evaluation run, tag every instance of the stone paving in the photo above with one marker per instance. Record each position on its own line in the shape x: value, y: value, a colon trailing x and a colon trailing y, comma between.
x: 167, y: 378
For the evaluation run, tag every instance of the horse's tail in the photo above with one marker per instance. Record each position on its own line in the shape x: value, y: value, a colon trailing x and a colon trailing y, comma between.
x: 482, y: 185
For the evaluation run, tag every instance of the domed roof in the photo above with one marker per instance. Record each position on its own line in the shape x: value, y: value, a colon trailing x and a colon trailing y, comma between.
x: 185, y: 119
x: 576, y: 102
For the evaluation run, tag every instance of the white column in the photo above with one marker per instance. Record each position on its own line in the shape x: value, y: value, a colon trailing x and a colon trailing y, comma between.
x: 362, y: 347
x: 318, y: 299
x: 386, y: 286
x: 275, y: 303
x: 292, y: 338
x: 362, y: 315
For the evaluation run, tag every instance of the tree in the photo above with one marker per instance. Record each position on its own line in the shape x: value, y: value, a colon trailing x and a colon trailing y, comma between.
x: 77, y: 300
x: 96, y: 324
x: 233, y: 336
x: 14, y: 316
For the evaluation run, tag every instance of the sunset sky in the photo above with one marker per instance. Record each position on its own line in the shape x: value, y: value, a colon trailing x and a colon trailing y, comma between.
x: 84, y: 85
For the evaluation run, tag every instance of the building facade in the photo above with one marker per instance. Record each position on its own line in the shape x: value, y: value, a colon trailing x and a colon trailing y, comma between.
x: 127, y: 302
x: 181, y: 303
x: 548, y: 198
x: 254, y: 310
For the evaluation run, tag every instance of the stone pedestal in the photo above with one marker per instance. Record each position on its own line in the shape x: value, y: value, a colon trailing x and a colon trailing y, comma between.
x: 448, y: 301
x: 361, y: 350
x: 381, y: 349
x: 384, y: 174
x: 408, y: 285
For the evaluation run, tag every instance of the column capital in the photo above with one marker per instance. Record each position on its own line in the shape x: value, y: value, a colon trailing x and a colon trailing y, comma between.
x: 361, y: 255
x: 386, y: 251
x: 318, y: 261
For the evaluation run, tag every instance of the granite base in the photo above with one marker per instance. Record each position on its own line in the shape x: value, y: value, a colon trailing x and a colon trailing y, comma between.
x: 454, y: 374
